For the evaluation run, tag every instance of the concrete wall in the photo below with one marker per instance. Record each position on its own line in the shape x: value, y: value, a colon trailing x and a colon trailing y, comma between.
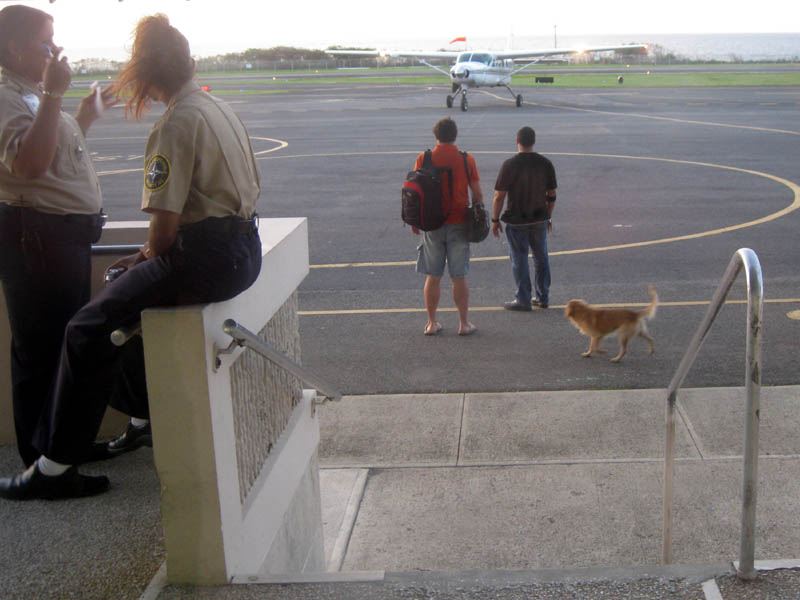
x: 234, y: 502
x: 235, y: 438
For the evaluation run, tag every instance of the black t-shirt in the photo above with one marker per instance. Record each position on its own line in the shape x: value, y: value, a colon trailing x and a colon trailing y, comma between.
x: 526, y: 177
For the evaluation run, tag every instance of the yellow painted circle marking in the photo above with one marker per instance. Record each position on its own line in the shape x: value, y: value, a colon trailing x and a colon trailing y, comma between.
x: 281, y: 144
x: 651, y: 117
x: 794, y: 314
x: 794, y: 205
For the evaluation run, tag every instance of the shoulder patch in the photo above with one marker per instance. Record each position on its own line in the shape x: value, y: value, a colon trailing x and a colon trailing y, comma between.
x: 156, y: 172
x: 32, y: 102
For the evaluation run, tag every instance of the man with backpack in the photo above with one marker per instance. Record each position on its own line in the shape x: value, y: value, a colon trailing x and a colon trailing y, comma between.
x: 449, y: 244
x: 529, y: 180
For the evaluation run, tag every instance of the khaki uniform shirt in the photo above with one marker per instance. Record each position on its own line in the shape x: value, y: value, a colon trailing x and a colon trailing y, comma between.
x: 198, y: 160
x: 70, y: 185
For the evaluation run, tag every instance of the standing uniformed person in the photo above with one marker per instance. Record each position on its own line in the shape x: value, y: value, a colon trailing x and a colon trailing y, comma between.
x: 201, y: 185
x: 50, y: 206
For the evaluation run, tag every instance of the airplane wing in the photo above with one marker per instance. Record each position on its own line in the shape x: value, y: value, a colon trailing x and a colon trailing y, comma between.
x: 537, y: 53
x: 393, y: 53
x: 558, y: 51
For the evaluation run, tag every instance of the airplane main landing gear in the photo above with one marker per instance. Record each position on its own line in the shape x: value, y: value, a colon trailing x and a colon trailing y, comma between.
x: 517, y: 97
x: 449, y: 102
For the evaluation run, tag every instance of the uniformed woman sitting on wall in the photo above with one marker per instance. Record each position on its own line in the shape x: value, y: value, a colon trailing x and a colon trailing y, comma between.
x: 49, y: 208
x: 201, y: 185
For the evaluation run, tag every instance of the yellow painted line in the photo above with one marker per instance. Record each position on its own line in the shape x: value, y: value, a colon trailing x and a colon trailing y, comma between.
x: 119, y: 171
x: 281, y: 145
x: 794, y: 314
x: 652, y: 117
x: 332, y: 154
x: 771, y: 217
x: 385, y: 311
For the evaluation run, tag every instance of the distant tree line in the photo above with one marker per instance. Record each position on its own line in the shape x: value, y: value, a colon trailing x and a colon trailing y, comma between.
x: 289, y: 58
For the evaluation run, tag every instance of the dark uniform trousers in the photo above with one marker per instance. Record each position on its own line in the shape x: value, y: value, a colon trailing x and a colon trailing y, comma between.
x: 45, y: 267
x: 210, y: 261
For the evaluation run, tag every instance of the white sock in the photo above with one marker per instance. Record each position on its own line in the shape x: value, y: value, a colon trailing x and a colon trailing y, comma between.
x: 50, y: 467
x: 139, y: 422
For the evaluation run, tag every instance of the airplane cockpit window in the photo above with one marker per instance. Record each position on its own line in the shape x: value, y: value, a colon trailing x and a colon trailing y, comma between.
x: 475, y: 57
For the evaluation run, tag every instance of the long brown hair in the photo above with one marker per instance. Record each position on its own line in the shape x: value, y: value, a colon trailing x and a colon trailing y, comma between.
x: 160, y: 59
x: 18, y: 24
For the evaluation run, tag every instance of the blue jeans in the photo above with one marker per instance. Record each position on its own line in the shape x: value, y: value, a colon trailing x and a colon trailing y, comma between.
x: 521, y: 239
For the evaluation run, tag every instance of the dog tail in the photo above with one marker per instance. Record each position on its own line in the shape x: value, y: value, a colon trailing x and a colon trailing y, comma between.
x: 650, y: 311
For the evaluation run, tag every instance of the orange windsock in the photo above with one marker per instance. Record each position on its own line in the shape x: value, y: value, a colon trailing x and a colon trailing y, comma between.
x: 458, y: 39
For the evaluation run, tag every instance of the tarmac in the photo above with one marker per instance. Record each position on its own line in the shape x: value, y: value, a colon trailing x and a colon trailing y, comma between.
x: 496, y: 495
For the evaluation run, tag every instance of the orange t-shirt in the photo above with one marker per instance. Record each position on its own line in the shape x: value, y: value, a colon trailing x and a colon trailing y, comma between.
x: 448, y: 155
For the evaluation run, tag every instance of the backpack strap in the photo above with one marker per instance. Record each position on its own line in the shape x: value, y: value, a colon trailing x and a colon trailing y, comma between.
x: 427, y: 161
x: 469, y: 180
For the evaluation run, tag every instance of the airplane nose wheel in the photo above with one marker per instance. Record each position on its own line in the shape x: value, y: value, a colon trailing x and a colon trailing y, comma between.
x: 464, y: 105
x: 449, y: 102
x: 519, y: 99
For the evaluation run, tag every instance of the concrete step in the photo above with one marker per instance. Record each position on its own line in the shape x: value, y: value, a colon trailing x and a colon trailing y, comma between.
x: 541, y: 480
x: 525, y: 495
x: 779, y: 581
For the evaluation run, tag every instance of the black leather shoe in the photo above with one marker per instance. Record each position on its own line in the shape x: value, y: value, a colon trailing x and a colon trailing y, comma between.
x: 516, y: 305
x: 539, y: 304
x: 131, y: 439
x: 32, y: 485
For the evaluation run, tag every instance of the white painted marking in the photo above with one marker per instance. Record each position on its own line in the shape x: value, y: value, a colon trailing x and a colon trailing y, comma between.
x: 156, y: 585
x: 348, y: 522
x: 711, y: 590
x: 772, y: 565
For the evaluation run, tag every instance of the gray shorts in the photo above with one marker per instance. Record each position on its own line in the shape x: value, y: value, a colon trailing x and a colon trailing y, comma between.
x: 448, y: 243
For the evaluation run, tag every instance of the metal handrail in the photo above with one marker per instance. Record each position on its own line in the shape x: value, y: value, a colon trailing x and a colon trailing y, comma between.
x: 244, y: 337
x: 115, y: 249
x: 747, y: 259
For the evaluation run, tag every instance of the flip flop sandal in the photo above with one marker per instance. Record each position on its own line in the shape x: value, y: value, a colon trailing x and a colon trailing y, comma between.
x: 469, y: 330
x: 436, y: 329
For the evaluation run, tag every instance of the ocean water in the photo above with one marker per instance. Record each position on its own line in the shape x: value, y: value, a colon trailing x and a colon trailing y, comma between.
x: 712, y: 46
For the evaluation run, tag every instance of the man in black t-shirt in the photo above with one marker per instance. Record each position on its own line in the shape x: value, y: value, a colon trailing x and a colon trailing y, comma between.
x: 529, y: 181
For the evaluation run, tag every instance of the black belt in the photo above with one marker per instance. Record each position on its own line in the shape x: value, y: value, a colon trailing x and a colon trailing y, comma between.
x: 223, y: 225
x: 73, y: 227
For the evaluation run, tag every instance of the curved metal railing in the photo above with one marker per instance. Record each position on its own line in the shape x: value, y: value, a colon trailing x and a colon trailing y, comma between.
x: 743, y: 259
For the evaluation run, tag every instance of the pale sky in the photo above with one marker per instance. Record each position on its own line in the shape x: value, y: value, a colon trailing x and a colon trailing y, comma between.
x: 85, y: 27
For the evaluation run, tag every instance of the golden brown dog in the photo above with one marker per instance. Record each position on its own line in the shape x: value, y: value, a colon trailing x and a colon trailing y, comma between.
x: 597, y: 323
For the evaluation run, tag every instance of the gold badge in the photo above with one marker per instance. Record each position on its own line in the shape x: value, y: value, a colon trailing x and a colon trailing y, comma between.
x: 156, y: 172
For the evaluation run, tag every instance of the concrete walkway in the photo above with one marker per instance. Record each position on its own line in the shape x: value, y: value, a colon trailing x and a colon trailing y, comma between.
x: 518, y: 495
x: 541, y: 480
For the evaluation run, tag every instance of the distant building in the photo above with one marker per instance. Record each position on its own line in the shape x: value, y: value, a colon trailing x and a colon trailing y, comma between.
x: 95, y: 65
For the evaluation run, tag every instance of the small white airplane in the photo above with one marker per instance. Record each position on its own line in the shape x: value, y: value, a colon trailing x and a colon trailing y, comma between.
x: 474, y: 69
